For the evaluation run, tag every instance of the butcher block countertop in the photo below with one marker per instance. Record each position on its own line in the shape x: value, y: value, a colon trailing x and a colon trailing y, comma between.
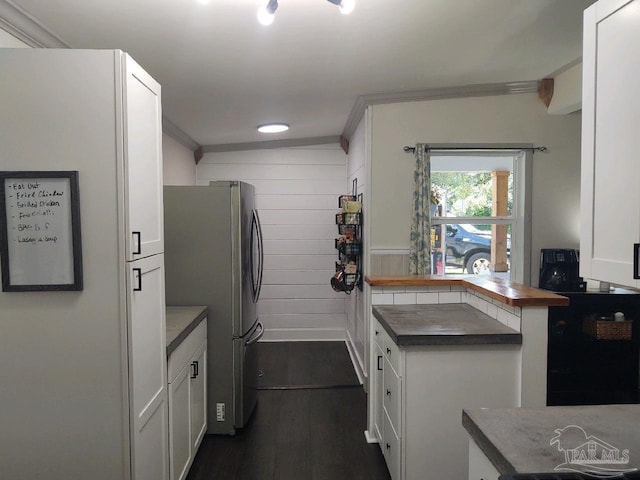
x: 181, y: 321
x: 443, y: 324
x: 513, y: 294
x: 534, y: 440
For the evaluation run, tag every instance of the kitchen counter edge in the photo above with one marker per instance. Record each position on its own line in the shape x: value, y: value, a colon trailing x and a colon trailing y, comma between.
x: 521, y: 439
x: 181, y: 321
x: 509, y: 293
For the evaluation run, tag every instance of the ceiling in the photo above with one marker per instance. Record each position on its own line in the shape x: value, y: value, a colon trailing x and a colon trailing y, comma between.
x: 222, y: 73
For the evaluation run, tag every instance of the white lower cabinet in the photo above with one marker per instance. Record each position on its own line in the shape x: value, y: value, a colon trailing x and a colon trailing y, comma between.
x: 199, y: 399
x: 388, y: 388
x: 187, y: 400
x: 391, y: 447
x: 419, y: 396
x: 147, y: 367
x: 480, y: 467
x: 379, y: 410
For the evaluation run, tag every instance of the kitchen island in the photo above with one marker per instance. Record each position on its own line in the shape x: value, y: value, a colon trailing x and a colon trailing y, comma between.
x: 432, y: 361
x: 440, y: 344
x: 597, y: 438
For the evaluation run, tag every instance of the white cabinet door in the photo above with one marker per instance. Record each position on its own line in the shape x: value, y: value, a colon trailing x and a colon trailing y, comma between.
x: 187, y: 368
x: 610, y: 197
x: 198, y: 397
x: 392, y: 398
x: 148, y: 368
x: 391, y: 449
x: 379, y: 389
x: 480, y: 467
x: 180, y: 424
x: 142, y: 145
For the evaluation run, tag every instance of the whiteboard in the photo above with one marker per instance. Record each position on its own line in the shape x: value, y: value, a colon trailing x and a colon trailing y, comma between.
x: 41, y: 235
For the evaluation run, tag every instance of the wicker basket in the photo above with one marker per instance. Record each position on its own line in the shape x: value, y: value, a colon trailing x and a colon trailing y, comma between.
x: 607, y: 329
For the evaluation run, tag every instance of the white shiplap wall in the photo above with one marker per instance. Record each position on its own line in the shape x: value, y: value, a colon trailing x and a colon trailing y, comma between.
x: 296, y: 196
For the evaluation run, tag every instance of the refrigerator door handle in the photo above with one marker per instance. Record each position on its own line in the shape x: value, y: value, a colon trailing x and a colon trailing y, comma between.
x: 253, y: 338
x: 261, y: 269
x: 256, y: 277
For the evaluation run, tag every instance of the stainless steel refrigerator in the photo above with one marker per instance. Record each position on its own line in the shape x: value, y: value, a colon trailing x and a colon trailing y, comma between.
x: 213, y: 257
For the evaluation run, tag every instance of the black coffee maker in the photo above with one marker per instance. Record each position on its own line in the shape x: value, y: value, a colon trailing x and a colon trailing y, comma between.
x: 559, y: 270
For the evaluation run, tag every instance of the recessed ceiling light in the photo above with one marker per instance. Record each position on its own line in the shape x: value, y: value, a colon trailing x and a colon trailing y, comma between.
x: 273, y: 128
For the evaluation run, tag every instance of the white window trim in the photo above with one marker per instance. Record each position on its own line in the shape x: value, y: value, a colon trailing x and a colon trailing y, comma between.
x: 520, y: 221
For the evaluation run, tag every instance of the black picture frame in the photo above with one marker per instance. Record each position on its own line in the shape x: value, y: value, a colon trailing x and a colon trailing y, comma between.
x: 40, y: 236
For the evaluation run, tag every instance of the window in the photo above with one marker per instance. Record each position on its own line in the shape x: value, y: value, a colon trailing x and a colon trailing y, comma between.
x: 479, y: 211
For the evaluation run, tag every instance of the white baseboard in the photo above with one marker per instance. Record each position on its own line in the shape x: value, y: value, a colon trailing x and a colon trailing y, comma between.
x: 370, y: 438
x: 303, y: 335
x: 355, y: 359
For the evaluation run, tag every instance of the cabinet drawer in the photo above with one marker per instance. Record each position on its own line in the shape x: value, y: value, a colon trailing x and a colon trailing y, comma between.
x: 377, y: 332
x: 391, y: 449
x: 392, y: 388
x: 391, y: 352
x: 182, y: 355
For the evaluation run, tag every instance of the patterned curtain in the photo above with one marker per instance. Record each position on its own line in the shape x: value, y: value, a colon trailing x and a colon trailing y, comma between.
x: 420, y: 240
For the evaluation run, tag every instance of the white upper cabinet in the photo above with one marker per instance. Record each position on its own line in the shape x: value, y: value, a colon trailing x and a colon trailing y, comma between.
x: 610, y: 197
x: 142, y: 145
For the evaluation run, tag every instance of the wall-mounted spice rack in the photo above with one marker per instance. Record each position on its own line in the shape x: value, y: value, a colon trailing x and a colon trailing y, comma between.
x: 349, y: 243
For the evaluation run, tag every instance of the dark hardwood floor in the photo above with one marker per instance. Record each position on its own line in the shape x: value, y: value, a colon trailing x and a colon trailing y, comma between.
x: 299, y: 433
x: 305, y: 363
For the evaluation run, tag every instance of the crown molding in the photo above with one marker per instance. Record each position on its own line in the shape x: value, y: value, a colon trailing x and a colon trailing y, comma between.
x: 178, y: 134
x: 27, y: 29
x: 479, y: 90
x: 286, y: 143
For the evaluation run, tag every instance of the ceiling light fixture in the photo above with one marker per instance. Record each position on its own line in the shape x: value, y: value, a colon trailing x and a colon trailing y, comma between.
x: 273, y: 128
x: 266, y: 14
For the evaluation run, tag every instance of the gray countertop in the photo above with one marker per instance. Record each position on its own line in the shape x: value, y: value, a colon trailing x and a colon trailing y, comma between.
x: 443, y: 324
x: 180, y: 323
x: 519, y: 440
